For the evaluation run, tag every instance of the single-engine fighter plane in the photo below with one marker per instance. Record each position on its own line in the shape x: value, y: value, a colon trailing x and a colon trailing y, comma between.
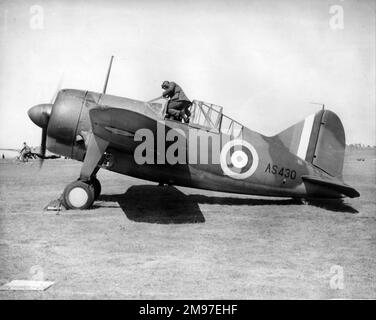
x: 304, y: 161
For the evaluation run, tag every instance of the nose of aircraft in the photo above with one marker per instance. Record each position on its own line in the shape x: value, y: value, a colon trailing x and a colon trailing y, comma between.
x: 40, y: 114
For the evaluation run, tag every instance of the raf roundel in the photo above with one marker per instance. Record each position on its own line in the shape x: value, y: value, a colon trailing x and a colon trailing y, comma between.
x: 239, y: 159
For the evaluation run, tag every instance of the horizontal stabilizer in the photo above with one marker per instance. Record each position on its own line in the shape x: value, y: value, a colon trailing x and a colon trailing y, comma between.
x: 334, y: 184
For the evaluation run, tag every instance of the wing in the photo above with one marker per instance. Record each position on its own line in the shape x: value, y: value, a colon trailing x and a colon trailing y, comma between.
x: 118, y: 126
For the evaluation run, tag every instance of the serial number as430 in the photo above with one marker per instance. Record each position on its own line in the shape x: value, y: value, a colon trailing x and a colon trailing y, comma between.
x: 283, y: 172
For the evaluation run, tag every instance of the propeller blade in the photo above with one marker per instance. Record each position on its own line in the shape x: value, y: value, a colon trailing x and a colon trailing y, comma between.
x: 58, y: 87
x: 43, y: 146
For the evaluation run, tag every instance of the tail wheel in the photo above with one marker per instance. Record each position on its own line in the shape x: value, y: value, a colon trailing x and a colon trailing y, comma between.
x: 97, y: 187
x: 78, y: 195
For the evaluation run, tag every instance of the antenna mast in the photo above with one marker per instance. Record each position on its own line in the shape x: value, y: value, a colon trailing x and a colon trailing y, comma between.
x: 108, y: 75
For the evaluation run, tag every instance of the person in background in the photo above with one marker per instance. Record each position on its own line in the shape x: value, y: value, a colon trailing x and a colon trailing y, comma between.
x: 25, y: 152
x: 178, y: 104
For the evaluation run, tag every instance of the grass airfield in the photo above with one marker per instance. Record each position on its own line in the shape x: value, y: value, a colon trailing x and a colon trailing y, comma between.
x: 141, y: 241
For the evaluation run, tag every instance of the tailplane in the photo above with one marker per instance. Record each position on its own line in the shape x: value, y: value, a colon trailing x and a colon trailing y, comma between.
x: 334, y: 184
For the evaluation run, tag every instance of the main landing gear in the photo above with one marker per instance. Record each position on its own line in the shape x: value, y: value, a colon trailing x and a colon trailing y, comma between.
x: 81, y: 194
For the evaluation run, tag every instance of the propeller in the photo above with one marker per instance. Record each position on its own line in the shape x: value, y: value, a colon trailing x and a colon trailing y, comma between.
x: 58, y: 87
x: 40, y: 115
x: 43, y: 146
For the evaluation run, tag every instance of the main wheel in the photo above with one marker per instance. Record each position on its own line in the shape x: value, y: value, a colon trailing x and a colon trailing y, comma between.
x: 97, y: 187
x: 78, y: 195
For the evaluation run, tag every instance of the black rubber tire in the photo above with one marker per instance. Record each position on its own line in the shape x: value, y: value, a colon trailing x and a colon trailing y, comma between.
x: 97, y: 187
x: 87, y: 188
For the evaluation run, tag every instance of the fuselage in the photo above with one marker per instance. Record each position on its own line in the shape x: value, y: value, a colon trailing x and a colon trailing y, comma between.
x: 277, y: 171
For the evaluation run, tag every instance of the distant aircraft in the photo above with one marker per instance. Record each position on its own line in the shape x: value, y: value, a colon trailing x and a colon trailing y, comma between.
x: 105, y: 131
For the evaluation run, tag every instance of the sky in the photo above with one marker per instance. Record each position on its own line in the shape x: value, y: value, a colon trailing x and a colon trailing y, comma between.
x: 265, y: 62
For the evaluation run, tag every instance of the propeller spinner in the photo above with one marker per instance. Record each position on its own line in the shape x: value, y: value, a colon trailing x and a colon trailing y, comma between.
x: 40, y: 115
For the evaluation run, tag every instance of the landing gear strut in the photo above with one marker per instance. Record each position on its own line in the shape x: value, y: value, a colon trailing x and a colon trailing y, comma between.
x: 81, y: 194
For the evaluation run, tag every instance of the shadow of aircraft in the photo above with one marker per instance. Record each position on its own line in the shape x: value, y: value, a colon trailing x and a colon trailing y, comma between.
x: 336, y: 205
x: 164, y: 205
x: 153, y: 204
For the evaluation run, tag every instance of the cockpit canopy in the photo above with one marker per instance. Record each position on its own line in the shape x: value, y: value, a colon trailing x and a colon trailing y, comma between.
x: 205, y: 116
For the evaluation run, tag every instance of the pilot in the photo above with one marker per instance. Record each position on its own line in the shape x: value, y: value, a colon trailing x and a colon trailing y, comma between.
x: 178, y: 105
x: 25, y: 151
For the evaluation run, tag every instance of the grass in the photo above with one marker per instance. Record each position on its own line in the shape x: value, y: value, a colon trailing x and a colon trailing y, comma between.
x: 136, y: 243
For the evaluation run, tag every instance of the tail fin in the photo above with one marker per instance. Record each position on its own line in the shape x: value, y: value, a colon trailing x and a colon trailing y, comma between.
x: 318, y: 139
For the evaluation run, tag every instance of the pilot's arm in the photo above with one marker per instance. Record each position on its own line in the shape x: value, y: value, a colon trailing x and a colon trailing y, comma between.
x: 169, y: 91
